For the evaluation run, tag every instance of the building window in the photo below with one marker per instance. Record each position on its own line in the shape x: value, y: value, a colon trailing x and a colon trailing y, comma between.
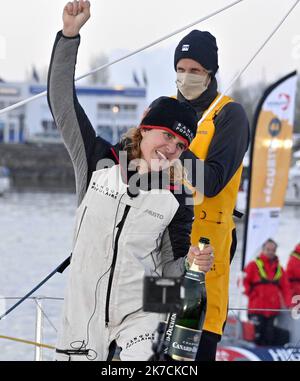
x: 116, y: 110
x: 49, y: 127
x: 21, y: 134
x: 2, y: 125
x: 104, y: 106
x: 122, y: 131
x: 112, y: 134
x: 129, y: 107
x: 11, y: 132
x: 106, y: 133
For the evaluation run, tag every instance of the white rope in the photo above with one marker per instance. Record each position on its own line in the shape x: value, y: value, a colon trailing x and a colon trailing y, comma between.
x: 45, y: 315
x: 25, y: 101
x: 32, y: 298
x: 213, y: 105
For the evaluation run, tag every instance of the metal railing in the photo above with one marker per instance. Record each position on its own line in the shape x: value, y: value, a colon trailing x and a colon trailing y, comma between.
x: 41, y: 316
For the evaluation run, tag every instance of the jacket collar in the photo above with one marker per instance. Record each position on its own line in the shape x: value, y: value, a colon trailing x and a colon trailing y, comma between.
x: 268, y: 260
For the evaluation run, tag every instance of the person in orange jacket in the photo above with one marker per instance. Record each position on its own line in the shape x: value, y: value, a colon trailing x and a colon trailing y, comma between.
x: 266, y: 286
x: 293, y: 271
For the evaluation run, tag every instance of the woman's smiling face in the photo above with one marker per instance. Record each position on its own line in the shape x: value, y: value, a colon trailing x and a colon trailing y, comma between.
x: 159, y: 148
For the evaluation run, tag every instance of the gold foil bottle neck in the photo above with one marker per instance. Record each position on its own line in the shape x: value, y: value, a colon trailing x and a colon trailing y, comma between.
x: 201, y: 246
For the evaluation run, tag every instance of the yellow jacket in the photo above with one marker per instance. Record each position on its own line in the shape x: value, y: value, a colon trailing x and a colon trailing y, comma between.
x: 213, y: 219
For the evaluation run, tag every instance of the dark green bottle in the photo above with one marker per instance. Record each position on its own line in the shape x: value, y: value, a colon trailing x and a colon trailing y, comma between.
x: 189, y: 322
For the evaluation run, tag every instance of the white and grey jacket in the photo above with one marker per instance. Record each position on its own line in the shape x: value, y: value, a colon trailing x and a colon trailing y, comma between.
x: 118, y: 239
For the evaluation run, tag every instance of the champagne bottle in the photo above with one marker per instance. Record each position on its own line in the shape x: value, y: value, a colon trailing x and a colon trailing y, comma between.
x: 189, y: 322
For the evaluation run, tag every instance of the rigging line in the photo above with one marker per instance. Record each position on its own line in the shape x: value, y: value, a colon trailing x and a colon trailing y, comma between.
x: 41, y: 345
x: 57, y: 269
x: 214, y: 104
x: 30, y: 298
x: 166, y: 37
x: 45, y: 315
x: 25, y: 101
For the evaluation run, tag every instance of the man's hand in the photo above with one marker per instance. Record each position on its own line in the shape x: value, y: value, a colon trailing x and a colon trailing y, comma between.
x: 203, y: 258
x: 75, y: 15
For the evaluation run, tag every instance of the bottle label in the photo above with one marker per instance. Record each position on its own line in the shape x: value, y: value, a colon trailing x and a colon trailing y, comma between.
x: 169, y: 331
x: 193, y: 275
x: 185, y: 342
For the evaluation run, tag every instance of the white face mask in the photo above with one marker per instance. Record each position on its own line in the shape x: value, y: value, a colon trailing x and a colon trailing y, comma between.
x: 190, y: 85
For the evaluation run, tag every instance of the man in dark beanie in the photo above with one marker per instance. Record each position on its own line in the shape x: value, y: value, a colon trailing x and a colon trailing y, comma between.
x: 221, y: 142
x: 198, y: 50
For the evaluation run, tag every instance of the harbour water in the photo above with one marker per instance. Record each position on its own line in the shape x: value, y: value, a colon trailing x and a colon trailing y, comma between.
x: 35, y: 236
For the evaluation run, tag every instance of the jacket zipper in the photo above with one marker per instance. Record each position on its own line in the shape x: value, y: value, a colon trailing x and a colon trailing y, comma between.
x: 111, y: 275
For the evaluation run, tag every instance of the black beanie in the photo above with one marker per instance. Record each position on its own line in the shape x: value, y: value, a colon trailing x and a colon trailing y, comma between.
x: 201, y: 47
x: 169, y: 114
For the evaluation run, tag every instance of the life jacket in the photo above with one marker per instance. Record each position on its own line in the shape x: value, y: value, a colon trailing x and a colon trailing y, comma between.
x: 213, y: 219
x: 297, y: 255
x: 220, y: 207
x: 263, y: 275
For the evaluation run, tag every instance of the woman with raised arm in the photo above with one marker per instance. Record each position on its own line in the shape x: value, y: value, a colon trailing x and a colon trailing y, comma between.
x: 127, y: 226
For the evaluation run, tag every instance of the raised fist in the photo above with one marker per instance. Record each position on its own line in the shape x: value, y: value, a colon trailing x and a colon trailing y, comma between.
x: 75, y: 15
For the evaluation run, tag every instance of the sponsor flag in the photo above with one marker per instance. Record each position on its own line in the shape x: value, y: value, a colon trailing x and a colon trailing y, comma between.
x: 270, y: 155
